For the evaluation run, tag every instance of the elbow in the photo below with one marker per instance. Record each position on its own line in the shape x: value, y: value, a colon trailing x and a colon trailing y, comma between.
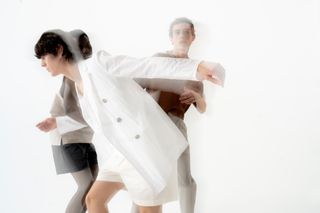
x: 201, y: 109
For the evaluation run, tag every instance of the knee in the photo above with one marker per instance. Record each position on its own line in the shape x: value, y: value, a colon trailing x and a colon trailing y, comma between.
x: 91, y: 200
x: 187, y: 182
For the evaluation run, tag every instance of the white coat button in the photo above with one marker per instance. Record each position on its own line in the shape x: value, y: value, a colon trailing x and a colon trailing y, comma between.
x: 104, y: 100
x: 137, y: 137
x: 119, y: 120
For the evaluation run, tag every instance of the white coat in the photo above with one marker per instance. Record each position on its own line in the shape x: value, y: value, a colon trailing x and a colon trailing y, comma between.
x: 114, y: 105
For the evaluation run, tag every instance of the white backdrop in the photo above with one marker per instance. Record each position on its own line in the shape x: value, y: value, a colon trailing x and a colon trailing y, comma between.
x: 256, y: 150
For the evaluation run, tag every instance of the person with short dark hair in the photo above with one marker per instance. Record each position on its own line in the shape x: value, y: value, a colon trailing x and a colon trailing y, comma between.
x: 71, y: 137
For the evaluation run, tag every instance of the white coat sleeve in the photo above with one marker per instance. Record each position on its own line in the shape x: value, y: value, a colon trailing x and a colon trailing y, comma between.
x: 150, y: 67
x: 66, y: 124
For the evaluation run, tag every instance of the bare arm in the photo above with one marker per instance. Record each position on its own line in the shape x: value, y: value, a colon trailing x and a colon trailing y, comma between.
x: 64, y: 124
x: 190, y: 96
x: 47, y: 124
x: 213, y: 72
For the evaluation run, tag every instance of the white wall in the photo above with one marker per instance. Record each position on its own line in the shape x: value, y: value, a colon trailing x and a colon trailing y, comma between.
x: 256, y: 149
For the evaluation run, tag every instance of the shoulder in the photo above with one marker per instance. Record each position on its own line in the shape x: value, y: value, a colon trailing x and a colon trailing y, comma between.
x: 101, y: 56
x: 162, y: 54
x: 96, y: 61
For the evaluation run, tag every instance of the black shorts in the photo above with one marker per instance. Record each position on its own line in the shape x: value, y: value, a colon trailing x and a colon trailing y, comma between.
x: 73, y: 157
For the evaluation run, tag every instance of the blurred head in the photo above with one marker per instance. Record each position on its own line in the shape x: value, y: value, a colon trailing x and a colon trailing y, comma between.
x: 57, y: 48
x: 181, y: 33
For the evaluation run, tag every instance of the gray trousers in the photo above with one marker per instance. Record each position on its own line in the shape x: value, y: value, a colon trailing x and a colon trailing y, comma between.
x: 187, y: 186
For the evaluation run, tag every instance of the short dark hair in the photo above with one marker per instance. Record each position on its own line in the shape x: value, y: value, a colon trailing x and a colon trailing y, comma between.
x: 181, y: 20
x: 50, y: 42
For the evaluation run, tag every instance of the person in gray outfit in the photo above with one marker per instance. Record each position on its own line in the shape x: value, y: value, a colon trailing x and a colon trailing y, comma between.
x: 72, y: 149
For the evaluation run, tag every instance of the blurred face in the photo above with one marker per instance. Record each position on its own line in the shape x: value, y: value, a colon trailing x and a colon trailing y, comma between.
x: 51, y: 63
x: 54, y: 64
x: 182, y: 36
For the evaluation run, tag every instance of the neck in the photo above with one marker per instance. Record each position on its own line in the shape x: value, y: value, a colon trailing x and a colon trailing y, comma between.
x: 180, y: 53
x: 72, y: 72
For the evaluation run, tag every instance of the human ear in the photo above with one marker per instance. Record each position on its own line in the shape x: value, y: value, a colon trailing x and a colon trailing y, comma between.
x: 193, y: 37
x: 171, y: 40
x: 59, y: 51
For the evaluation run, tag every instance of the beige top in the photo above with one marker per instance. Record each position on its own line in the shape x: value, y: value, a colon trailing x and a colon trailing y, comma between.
x: 66, y: 104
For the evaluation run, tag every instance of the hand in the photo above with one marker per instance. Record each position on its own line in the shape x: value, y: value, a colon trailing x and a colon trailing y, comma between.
x: 47, y: 124
x: 212, y: 72
x: 189, y: 96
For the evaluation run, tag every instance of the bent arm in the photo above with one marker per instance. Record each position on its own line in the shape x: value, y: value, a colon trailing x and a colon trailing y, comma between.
x: 65, y: 123
x: 201, y: 104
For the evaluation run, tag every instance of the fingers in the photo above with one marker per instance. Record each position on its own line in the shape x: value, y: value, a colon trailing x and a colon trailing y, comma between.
x: 184, y: 96
x: 215, y: 81
x: 44, y: 125
x: 187, y: 99
x: 40, y: 125
x: 212, y: 72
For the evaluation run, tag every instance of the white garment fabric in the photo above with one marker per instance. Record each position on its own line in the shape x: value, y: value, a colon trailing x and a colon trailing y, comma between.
x: 118, y: 169
x: 115, y: 106
x: 67, y: 124
x: 128, y: 117
x: 55, y: 137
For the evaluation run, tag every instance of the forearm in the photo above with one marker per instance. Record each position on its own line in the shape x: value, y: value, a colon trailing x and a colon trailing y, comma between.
x: 201, y: 104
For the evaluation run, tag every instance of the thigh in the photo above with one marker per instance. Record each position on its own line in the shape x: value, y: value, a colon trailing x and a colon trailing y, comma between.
x: 104, y: 190
x: 75, y: 156
x: 150, y: 209
x: 83, y: 178
x: 140, y: 190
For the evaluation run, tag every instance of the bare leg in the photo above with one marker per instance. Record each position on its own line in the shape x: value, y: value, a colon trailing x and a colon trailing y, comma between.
x: 101, y: 193
x: 150, y: 209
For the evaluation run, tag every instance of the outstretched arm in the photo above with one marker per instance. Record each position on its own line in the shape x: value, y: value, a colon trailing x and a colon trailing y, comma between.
x: 161, y: 67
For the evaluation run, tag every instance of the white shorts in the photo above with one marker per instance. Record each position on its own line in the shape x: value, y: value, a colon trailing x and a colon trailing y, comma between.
x: 118, y: 169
